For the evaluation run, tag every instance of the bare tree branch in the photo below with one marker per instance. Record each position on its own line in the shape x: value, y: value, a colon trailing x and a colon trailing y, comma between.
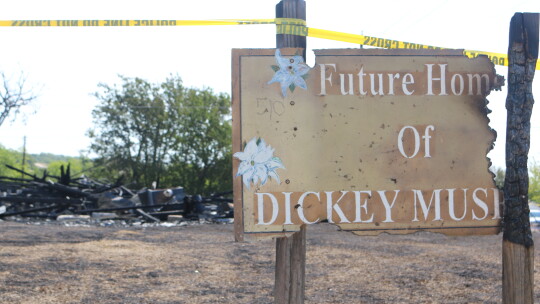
x: 13, y: 96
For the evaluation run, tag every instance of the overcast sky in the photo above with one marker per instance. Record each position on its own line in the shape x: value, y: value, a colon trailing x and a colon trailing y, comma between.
x: 65, y: 65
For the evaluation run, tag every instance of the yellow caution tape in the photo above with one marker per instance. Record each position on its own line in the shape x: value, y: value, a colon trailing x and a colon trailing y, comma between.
x: 496, y: 58
x: 289, y: 26
x: 67, y: 23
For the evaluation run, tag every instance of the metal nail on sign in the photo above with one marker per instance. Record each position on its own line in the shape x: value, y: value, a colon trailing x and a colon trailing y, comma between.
x: 374, y: 141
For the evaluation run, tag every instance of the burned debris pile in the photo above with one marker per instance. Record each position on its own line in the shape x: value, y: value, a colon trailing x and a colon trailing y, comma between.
x: 60, y: 197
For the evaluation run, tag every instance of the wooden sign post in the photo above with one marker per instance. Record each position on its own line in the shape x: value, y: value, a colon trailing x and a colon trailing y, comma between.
x: 289, y: 284
x: 518, y: 247
x: 371, y: 140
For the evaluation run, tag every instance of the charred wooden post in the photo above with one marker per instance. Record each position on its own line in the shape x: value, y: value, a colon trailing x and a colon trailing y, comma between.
x: 290, y: 270
x: 65, y: 177
x: 518, y: 247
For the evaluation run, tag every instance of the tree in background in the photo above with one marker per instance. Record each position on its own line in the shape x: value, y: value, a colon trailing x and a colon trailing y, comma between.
x: 13, y: 96
x: 534, y: 181
x: 202, y: 161
x: 163, y: 133
x: 9, y: 157
x: 14, y: 158
x: 499, y: 177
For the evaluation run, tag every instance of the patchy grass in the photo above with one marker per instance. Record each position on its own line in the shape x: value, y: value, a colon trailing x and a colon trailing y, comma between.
x: 202, y: 264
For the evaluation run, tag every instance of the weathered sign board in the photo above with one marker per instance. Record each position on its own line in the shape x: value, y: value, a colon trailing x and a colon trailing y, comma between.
x: 373, y: 141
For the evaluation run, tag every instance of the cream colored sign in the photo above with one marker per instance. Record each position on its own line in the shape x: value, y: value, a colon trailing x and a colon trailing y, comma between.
x: 372, y: 140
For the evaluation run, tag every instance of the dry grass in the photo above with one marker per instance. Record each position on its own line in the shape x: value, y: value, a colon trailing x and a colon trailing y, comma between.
x: 202, y: 264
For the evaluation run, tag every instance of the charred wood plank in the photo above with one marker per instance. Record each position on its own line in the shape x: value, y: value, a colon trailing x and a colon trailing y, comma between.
x: 22, y: 212
x: 161, y: 213
x: 85, y: 211
x: 45, y: 200
x: 221, y: 193
x: 69, y: 191
x: 17, y: 179
x: 146, y: 215
x: 22, y: 172
x: 216, y: 199
x: 127, y: 190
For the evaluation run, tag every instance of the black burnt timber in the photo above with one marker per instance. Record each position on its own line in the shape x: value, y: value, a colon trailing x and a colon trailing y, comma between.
x: 34, y: 177
x: 78, y: 184
x: 217, y: 199
x: 45, y: 200
x: 518, y: 246
x: 69, y: 191
x: 23, y: 212
x: 221, y: 194
x: 105, y: 189
x: 85, y: 211
x: 15, y: 179
x: 37, y: 215
x: 65, y: 177
x: 147, y: 216
x: 162, y: 213
x: 523, y: 54
x: 33, y: 196
x: 127, y: 190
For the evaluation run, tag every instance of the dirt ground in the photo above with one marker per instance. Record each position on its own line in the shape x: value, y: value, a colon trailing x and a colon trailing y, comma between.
x: 52, y: 263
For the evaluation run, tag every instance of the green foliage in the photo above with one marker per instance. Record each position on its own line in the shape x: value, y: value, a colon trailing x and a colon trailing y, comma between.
x: 9, y: 157
x: 78, y: 165
x: 15, y: 159
x: 534, y: 181
x: 52, y: 162
x: 163, y: 133
x: 202, y: 159
x: 499, y: 177
x: 48, y: 158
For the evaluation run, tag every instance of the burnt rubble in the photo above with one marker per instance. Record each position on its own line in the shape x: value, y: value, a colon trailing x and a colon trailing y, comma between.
x: 64, y: 198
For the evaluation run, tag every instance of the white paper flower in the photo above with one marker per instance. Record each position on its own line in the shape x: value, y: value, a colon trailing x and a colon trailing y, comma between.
x: 290, y: 72
x: 258, y: 163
